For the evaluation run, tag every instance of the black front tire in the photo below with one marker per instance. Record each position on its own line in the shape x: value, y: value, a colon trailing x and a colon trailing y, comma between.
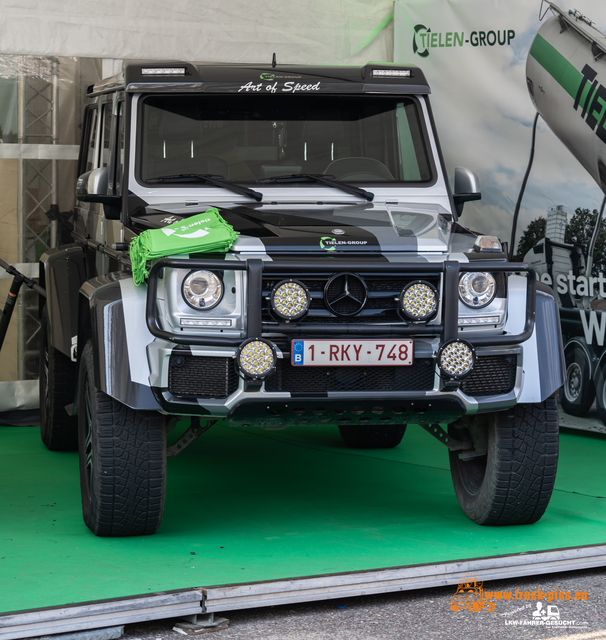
x: 122, y: 461
x: 360, y: 436
x: 512, y: 483
x: 578, y: 393
x: 58, y: 376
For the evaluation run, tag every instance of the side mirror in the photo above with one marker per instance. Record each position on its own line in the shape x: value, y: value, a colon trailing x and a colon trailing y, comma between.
x: 466, y: 188
x: 92, y: 187
x: 92, y: 183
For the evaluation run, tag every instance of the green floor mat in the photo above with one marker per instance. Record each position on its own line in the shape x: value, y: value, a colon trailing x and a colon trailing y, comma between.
x: 247, y: 505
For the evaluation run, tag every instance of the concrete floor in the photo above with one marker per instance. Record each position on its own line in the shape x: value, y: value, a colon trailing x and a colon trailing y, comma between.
x: 416, y: 614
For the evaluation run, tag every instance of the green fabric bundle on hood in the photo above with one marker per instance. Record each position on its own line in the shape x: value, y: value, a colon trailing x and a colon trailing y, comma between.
x: 205, y: 232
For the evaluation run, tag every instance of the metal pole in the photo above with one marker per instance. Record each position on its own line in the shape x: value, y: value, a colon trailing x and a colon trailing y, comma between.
x: 21, y: 217
x: 54, y: 225
x: 21, y: 172
x: 594, y: 239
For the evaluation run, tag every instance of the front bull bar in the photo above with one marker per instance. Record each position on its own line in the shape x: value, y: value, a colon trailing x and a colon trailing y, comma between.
x: 255, y: 327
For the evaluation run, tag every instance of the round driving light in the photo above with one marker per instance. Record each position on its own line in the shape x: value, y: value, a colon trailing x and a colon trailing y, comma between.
x: 290, y: 299
x: 256, y: 358
x: 477, y: 289
x: 419, y: 300
x: 456, y: 358
x: 202, y: 290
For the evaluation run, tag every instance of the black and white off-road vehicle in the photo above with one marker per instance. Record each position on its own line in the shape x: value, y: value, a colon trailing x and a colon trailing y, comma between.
x: 353, y: 297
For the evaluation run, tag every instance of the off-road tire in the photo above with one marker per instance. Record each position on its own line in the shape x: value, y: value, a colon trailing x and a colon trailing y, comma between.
x: 513, y: 482
x: 372, y: 436
x: 578, y: 393
x: 58, y: 376
x: 122, y: 461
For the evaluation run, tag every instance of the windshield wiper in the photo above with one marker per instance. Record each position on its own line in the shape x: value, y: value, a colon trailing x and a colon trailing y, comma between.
x: 211, y: 179
x: 324, y: 179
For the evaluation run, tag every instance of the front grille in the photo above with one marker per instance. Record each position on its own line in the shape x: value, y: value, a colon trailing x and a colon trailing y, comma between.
x: 417, y: 377
x: 201, y: 376
x: 491, y: 375
x: 341, y: 304
x: 381, y: 304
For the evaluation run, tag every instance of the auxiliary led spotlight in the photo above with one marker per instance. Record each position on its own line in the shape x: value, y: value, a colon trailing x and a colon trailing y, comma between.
x: 419, y: 301
x: 456, y: 358
x: 256, y: 359
x: 290, y: 299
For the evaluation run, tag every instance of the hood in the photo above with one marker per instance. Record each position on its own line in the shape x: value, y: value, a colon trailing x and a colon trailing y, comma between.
x: 320, y: 228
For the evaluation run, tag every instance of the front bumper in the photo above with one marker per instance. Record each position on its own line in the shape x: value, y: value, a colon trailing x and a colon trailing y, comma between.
x: 247, y: 404
x: 270, y: 406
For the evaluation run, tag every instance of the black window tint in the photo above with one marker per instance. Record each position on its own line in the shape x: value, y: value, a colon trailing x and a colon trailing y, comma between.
x: 106, y: 126
x: 248, y: 138
x: 120, y: 150
x: 90, y: 151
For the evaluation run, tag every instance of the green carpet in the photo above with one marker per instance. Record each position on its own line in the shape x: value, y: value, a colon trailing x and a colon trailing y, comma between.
x: 247, y: 505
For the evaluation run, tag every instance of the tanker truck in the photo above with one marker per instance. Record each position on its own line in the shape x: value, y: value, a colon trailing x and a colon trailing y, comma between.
x: 566, y: 79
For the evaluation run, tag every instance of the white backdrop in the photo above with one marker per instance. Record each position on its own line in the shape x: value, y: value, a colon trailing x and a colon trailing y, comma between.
x: 317, y: 31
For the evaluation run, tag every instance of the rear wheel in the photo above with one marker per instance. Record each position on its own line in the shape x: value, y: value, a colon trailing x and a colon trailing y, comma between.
x: 578, y: 393
x: 372, y: 436
x: 58, y: 376
x: 600, y: 388
x: 122, y: 461
x: 511, y: 479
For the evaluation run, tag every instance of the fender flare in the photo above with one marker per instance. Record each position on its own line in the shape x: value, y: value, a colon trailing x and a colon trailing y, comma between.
x: 543, y: 352
x: 61, y: 273
x: 102, y: 319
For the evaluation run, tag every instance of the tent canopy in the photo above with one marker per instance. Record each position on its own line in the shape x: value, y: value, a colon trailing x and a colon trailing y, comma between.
x: 320, y: 32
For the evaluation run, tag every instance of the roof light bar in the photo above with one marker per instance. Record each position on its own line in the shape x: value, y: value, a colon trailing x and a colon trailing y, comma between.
x: 163, y: 71
x: 392, y: 73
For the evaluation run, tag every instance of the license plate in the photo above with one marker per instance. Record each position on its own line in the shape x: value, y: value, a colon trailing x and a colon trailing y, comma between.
x: 351, y: 353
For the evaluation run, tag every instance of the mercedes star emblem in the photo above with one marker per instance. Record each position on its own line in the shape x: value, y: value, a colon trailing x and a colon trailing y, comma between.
x: 345, y: 294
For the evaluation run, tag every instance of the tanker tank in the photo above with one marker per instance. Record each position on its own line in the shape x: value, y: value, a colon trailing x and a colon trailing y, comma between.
x: 566, y: 78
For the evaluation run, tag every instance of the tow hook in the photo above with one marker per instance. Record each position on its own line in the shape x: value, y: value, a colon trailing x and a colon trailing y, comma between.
x: 442, y: 436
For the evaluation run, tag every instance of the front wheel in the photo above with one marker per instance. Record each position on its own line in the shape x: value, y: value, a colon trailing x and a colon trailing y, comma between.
x: 122, y: 461
x: 511, y: 478
x: 360, y: 436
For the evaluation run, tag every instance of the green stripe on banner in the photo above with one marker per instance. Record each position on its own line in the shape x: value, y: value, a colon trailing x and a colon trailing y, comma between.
x: 556, y: 65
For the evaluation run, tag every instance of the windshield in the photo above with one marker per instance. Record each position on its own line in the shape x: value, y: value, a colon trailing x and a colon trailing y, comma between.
x: 246, y: 138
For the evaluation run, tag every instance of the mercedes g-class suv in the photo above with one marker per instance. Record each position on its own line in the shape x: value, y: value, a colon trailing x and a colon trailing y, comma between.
x: 353, y: 297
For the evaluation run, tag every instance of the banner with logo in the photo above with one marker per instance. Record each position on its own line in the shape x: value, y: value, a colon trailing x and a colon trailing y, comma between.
x: 474, y: 54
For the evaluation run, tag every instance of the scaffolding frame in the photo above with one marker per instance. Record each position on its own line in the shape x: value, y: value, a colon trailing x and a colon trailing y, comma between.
x: 38, y: 91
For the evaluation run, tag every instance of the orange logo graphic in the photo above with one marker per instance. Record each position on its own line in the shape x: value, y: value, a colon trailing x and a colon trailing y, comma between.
x: 470, y: 595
